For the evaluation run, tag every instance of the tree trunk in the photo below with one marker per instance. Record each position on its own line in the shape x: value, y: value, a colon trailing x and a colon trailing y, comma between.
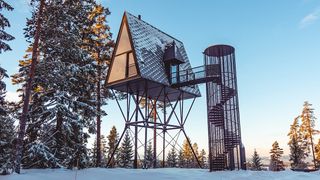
x: 98, y: 162
x: 22, y: 122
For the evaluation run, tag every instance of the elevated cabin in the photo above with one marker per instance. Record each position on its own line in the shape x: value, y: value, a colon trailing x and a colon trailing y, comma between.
x: 147, y: 60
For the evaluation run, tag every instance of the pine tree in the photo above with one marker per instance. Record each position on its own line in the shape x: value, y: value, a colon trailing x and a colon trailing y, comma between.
x: 296, y: 150
x: 181, y: 159
x: 307, y: 128
x: 126, y: 152
x: 203, y: 158
x: 103, y: 149
x: 275, y: 158
x: 113, y: 138
x: 6, y: 130
x: 172, y: 158
x: 317, y: 152
x: 37, y: 153
x: 3, y: 74
x: 99, y: 43
x: 296, y: 155
x: 36, y: 31
x: 256, y: 161
x: 187, y: 154
x: 62, y: 98
x: 149, y: 155
x: 4, y: 22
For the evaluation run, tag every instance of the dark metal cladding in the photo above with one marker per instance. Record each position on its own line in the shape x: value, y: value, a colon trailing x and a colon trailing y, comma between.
x: 172, y: 54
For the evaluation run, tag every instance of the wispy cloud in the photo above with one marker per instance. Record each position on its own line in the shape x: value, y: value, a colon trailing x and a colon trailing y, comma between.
x: 310, y: 18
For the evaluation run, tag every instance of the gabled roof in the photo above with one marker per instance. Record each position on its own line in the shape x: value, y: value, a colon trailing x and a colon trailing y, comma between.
x: 149, y: 44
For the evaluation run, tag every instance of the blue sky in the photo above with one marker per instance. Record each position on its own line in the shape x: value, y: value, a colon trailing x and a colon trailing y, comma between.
x: 277, y: 52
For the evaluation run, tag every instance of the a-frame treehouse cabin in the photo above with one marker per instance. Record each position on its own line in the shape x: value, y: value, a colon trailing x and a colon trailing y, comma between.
x: 147, y: 58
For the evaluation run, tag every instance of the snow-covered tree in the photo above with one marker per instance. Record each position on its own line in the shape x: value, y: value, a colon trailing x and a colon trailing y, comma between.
x: 172, y: 158
x: 275, y: 158
x: 256, y: 161
x: 7, y: 123
x: 126, y: 152
x: 4, y: 22
x: 3, y: 74
x: 6, y: 131
x: 99, y: 43
x: 62, y: 98
x: 37, y: 153
x: 307, y: 128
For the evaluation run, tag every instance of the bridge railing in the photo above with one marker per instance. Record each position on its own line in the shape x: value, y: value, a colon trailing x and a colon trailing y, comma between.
x: 195, y: 73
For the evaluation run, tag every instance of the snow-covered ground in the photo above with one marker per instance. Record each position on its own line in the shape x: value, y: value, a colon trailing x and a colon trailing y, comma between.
x: 157, y: 174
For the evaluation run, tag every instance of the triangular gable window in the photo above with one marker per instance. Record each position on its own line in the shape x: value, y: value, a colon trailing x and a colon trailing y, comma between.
x: 123, y: 65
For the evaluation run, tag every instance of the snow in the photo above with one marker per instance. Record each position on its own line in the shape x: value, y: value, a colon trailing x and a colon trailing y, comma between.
x: 157, y: 174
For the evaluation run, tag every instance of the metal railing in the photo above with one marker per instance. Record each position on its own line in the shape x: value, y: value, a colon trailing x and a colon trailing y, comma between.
x: 195, y: 73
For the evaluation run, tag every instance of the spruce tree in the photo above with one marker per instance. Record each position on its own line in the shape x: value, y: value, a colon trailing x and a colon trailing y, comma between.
x: 93, y: 153
x: 297, y: 154
x: 3, y: 74
x: 4, y: 22
x: 149, y: 155
x: 256, y: 161
x: 6, y: 130
x: 172, y: 158
x: 187, y: 154
x: 307, y: 129
x: 98, y: 41
x: 37, y: 153
x: 275, y: 158
x: 203, y: 158
x: 7, y: 123
x: 181, y: 159
x: 113, y: 139
x: 62, y: 98
x: 126, y: 152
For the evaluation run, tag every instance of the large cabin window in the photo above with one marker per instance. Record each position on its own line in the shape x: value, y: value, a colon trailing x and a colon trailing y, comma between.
x: 123, y: 65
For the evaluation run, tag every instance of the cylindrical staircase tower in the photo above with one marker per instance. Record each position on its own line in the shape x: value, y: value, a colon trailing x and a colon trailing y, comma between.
x: 225, y: 146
